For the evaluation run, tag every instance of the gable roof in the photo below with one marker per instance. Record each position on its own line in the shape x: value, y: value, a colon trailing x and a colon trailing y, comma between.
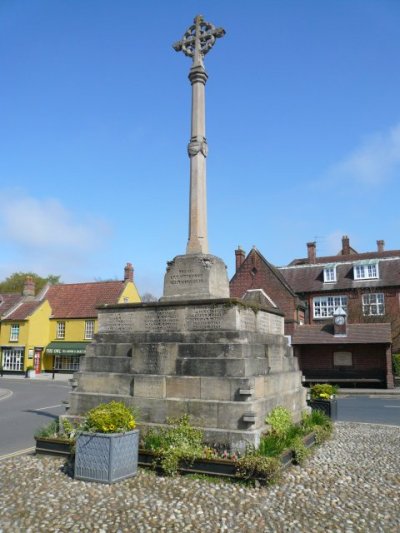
x: 8, y: 301
x: 269, y: 266
x: 310, y: 278
x: 23, y: 311
x: 372, y: 333
x: 79, y: 300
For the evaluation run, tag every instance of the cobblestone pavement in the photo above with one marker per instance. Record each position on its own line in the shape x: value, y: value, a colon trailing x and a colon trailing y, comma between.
x: 351, y: 484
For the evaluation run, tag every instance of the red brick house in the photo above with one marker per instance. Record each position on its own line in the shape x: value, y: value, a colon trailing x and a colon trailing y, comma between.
x: 309, y: 290
x: 255, y: 272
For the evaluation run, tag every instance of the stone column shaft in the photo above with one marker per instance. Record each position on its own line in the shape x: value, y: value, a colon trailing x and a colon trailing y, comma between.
x: 197, y: 149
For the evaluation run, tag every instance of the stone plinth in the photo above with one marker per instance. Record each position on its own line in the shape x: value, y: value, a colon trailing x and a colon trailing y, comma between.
x: 224, y: 363
x: 195, y: 277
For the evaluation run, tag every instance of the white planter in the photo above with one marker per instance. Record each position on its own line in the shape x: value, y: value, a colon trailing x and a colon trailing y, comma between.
x: 106, y: 457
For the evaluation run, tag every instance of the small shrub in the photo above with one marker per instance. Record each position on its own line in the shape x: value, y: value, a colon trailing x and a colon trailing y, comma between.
x: 315, y: 418
x: 280, y: 420
x: 113, y: 417
x: 272, y: 444
x: 50, y: 431
x: 319, y: 423
x: 174, y: 444
x: 396, y: 364
x: 322, y: 433
x: 257, y: 466
x: 323, y: 391
x: 299, y: 449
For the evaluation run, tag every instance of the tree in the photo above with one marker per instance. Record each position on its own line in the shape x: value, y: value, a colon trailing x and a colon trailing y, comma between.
x: 148, y: 297
x: 15, y: 282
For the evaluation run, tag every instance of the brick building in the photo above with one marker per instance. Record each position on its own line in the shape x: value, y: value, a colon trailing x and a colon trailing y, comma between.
x: 255, y: 272
x: 309, y: 290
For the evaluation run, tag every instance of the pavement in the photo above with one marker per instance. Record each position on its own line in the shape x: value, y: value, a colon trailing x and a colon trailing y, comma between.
x: 39, y: 377
x: 350, y: 484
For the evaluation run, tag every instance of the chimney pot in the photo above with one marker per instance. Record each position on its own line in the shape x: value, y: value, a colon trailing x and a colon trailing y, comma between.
x: 312, y: 252
x: 240, y: 257
x: 128, y: 272
x: 381, y: 245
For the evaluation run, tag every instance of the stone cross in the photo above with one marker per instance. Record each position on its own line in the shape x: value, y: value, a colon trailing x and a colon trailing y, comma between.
x: 197, y: 41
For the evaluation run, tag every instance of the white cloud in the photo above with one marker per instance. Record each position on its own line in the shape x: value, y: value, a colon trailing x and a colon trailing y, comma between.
x: 43, y: 234
x: 374, y: 161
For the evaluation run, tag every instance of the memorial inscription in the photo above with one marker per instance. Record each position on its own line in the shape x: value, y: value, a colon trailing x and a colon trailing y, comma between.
x: 116, y: 322
x: 204, y: 318
x: 162, y: 320
x: 186, y: 277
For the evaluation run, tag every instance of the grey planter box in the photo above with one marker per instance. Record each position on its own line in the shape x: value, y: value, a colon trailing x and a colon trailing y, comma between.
x: 106, y: 457
x: 329, y: 407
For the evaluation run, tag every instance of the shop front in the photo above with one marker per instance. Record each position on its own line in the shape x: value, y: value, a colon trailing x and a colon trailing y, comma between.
x: 64, y: 356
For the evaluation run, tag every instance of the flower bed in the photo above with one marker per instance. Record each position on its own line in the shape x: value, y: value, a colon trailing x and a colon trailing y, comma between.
x: 179, y: 448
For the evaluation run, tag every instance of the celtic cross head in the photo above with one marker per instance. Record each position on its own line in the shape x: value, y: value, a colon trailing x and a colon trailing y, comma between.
x: 198, y: 40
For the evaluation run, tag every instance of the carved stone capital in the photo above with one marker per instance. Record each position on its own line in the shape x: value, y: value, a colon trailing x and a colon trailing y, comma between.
x: 197, y: 145
x: 198, y: 74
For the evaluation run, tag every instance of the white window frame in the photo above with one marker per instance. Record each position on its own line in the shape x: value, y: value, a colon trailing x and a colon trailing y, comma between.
x: 62, y: 362
x: 13, y: 359
x: 14, y: 332
x: 367, y: 271
x: 325, y: 306
x: 373, y: 304
x: 329, y: 274
x: 60, y: 332
x: 89, y: 329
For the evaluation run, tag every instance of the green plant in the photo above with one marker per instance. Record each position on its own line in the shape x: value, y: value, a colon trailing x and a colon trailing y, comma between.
x: 113, y: 417
x: 299, y: 449
x: 315, y: 418
x: 272, y: 444
x: 30, y: 367
x: 178, y: 442
x: 257, y: 466
x: 319, y: 423
x: 396, y: 364
x: 323, y: 391
x: 50, y: 431
x: 280, y: 420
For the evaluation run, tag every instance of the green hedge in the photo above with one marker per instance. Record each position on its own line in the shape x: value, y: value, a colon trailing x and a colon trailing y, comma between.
x: 396, y: 364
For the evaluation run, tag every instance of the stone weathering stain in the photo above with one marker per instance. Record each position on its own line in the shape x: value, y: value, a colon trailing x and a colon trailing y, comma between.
x: 196, y: 351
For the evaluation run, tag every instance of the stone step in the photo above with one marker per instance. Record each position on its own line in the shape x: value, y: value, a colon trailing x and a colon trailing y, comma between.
x: 229, y: 367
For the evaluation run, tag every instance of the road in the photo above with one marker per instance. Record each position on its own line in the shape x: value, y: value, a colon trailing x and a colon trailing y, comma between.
x: 382, y: 410
x: 31, y: 404
x: 28, y: 406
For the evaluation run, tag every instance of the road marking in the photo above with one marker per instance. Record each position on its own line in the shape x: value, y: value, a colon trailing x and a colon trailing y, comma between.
x: 15, y: 454
x: 7, y: 394
x: 395, y: 406
x: 48, y: 407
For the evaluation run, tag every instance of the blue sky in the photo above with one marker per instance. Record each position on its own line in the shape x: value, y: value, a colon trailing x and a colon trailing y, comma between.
x: 303, y: 127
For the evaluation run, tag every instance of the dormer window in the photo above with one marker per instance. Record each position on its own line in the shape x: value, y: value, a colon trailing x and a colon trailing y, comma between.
x: 366, y: 271
x: 329, y: 274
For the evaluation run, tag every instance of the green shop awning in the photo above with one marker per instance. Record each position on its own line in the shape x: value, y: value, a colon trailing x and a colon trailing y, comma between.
x: 73, y: 349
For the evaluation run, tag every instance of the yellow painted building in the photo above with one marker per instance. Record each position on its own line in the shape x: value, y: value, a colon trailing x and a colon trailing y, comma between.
x: 51, y: 331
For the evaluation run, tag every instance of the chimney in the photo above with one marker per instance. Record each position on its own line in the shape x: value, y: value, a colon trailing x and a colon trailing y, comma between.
x: 381, y: 246
x: 128, y: 272
x: 240, y: 257
x: 29, y: 288
x: 312, y: 252
x: 345, y: 245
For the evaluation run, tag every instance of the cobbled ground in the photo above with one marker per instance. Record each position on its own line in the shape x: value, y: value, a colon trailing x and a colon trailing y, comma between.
x: 350, y: 484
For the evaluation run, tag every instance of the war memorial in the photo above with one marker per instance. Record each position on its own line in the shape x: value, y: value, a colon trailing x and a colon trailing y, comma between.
x: 224, y: 362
